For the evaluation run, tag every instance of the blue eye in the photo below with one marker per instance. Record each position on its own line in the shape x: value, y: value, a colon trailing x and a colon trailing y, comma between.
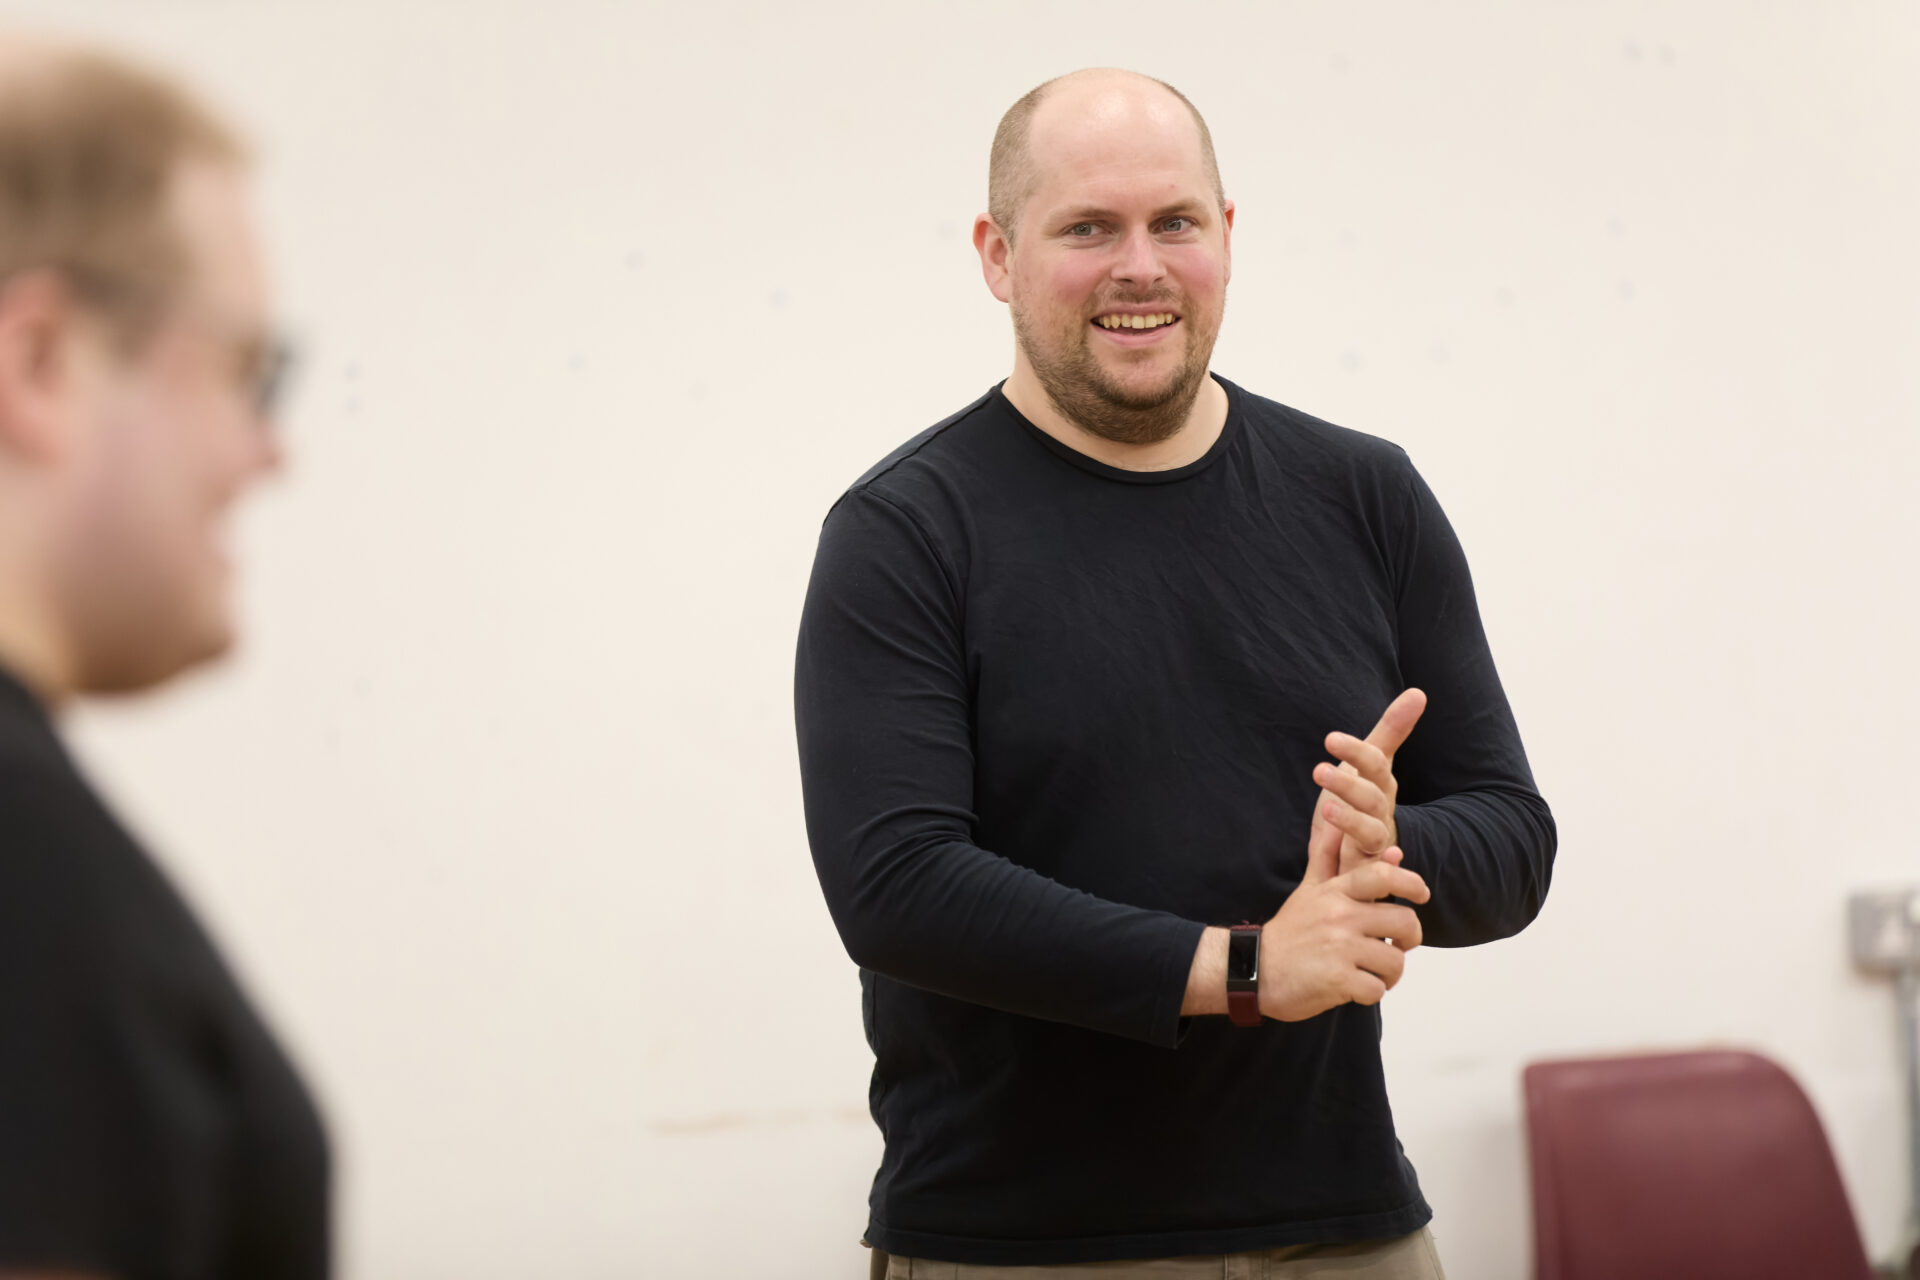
x: 1177, y: 224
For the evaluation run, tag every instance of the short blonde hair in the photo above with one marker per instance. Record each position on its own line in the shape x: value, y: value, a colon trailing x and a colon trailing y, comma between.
x: 89, y: 147
x: 1011, y: 175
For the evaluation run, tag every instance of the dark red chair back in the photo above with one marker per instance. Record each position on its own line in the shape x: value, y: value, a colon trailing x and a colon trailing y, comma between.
x: 1684, y: 1166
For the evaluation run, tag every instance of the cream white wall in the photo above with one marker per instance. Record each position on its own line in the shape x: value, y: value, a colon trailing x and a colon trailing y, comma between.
x: 605, y: 302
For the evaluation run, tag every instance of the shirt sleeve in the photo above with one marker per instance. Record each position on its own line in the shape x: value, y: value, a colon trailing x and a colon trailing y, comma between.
x: 98, y: 1169
x: 1472, y: 823
x: 883, y: 711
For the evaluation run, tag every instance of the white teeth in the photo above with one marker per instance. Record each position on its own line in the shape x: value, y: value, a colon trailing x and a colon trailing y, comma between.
x: 1135, y: 322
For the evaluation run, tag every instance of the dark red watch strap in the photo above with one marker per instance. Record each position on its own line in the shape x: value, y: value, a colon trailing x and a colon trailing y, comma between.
x: 1243, y: 1006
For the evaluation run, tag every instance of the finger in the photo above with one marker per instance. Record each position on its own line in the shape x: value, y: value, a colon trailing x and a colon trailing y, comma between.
x: 1360, y: 757
x: 1383, y: 960
x: 1362, y: 793
x: 1387, y: 921
x: 1323, y: 850
x: 1371, y: 834
x: 1381, y: 879
x: 1363, y: 988
x: 1353, y: 857
x: 1397, y: 721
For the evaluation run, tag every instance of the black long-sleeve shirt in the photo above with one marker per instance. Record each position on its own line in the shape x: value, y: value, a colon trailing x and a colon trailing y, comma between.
x: 1054, y: 719
x: 150, y: 1126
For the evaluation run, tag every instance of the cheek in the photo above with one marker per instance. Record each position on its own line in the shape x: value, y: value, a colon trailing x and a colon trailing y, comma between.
x: 1063, y: 286
x: 1202, y: 275
x: 139, y: 501
x: 198, y: 436
x: 159, y: 477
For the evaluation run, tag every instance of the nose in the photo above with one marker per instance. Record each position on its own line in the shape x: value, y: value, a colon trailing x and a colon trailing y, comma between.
x: 1138, y: 263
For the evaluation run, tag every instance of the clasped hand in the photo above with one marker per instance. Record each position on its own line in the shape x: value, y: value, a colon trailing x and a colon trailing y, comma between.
x: 1357, y: 797
x: 1334, y: 940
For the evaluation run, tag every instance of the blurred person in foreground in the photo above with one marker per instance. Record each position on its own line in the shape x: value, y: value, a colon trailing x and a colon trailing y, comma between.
x: 149, y: 1125
x: 1082, y: 674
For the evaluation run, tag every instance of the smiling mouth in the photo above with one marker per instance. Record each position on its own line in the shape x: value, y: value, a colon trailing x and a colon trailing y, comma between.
x: 1153, y: 320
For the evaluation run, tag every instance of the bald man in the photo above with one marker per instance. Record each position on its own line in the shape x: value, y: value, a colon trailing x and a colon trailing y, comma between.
x: 149, y: 1124
x: 1093, y: 672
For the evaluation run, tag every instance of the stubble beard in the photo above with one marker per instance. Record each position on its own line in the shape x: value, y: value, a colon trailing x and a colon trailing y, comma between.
x: 1087, y: 396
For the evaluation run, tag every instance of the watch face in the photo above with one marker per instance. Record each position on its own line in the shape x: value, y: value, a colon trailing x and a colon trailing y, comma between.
x: 1243, y: 955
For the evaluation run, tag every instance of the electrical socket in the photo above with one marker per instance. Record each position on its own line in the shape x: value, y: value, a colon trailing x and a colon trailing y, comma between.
x: 1885, y: 929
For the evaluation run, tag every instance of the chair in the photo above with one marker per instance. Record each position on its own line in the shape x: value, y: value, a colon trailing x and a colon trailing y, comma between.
x: 1694, y: 1165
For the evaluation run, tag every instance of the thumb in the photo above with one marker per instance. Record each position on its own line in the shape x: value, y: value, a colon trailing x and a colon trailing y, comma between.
x: 1323, y: 852
x: 1397, y: 721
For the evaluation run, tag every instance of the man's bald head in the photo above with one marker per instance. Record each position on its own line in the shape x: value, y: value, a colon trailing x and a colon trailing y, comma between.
x: 1013, y: 173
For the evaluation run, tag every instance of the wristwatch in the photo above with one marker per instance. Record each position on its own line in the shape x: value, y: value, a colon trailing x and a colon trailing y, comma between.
x: 1243, y: 975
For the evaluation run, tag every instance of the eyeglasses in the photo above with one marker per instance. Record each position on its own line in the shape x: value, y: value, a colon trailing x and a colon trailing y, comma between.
x: 275, y: 372
x: 263, y: 365
x: 262, y: 362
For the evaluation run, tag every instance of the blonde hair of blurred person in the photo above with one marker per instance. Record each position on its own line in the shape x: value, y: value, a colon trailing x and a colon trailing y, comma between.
x: 133, y: 349
x: 151, y: 1124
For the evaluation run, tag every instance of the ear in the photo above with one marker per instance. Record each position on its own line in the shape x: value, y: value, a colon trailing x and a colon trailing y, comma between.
x: 1226, y: 237
x: 39, y: 328
x: 991, y: 243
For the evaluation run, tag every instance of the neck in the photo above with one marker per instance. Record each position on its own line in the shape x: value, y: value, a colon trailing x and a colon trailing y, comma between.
x: 1205, y: 419
x: 30, y: 644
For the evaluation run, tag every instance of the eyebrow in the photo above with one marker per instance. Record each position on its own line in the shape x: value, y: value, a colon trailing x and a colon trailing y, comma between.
x: 1085, y: 212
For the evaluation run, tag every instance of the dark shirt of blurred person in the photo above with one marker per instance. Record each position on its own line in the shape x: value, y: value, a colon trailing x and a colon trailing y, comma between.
x: 149, y: 1124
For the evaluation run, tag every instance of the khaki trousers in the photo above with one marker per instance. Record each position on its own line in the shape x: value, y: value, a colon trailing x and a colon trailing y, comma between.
x: 1408, y: 1258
